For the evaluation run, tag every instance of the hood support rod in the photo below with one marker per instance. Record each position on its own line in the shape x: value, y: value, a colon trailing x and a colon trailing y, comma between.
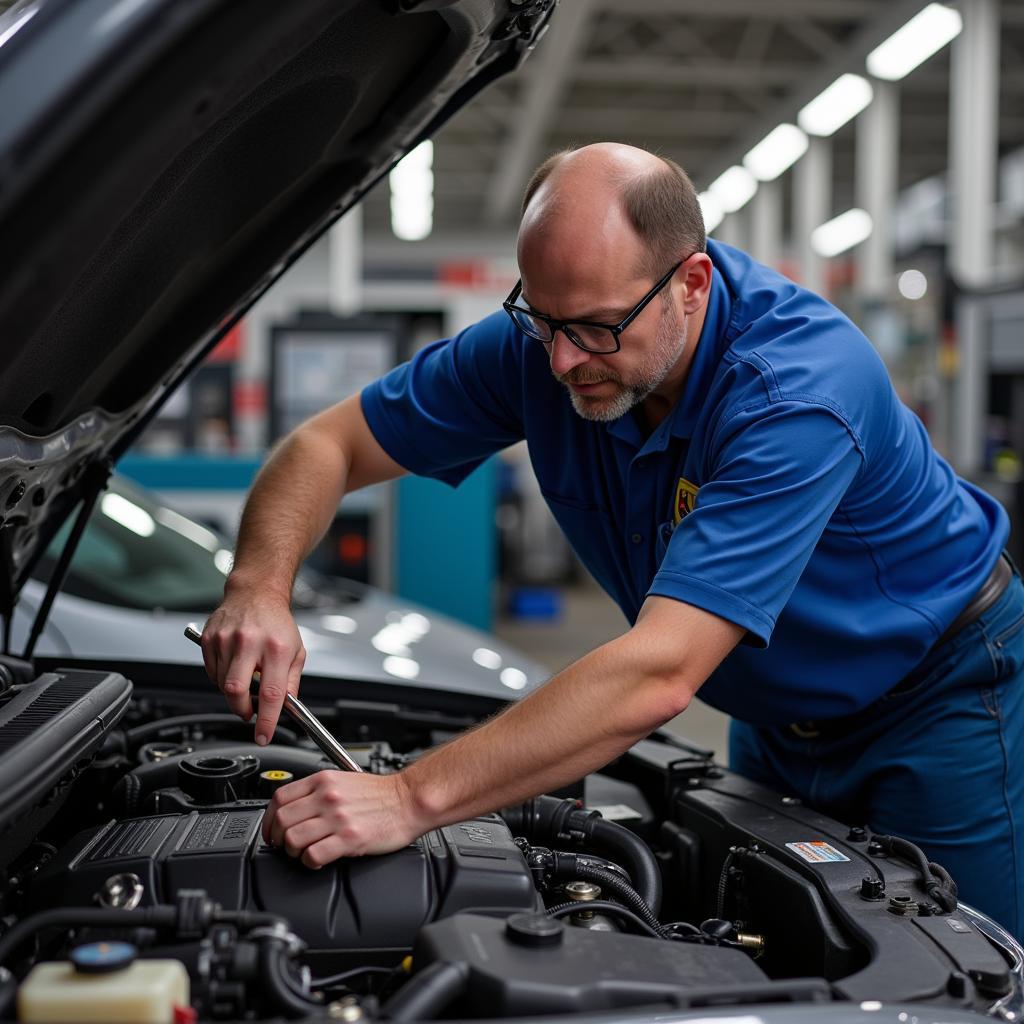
x: 94, y: 487
x: 7, y: 589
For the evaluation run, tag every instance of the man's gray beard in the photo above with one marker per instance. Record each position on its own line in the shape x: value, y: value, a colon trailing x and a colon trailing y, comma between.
x: 651, y: 375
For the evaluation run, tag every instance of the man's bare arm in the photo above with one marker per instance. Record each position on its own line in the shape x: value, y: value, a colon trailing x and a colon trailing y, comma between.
x: 289, y: 509
x: 583, y: 718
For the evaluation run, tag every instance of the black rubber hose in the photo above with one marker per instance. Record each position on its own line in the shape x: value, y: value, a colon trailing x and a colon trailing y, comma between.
x: 550, y: 820
x: 935, y: 879
x: 427, y: 993
x: 570, y: 866
x: 274, y: 977
x: 622, y: 845
x: 606, y: 907
x: 160, y: 916
x: 79, y: 917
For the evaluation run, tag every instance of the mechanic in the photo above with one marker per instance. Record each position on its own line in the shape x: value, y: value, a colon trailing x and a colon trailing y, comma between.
x: 727, y: 455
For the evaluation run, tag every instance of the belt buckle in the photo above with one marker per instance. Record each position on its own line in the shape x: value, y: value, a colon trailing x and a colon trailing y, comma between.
x: 805, y: 730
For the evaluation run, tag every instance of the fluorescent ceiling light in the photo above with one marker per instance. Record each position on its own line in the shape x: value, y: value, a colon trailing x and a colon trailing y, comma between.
x: 733, y: 188
x: 776, y: 152
x: 711, y: 209
x: 844, y: 99
x: 841, y: 233
x: 926, y: 33
x: 412, y: 194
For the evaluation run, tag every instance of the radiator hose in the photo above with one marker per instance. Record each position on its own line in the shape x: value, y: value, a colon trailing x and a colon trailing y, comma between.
x: 546, y: 819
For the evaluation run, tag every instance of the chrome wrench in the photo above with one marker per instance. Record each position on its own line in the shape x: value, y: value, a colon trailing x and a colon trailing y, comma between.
x: 310, y: 724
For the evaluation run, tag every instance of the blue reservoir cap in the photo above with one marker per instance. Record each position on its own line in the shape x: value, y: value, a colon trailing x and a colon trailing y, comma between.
x: 102, y: 957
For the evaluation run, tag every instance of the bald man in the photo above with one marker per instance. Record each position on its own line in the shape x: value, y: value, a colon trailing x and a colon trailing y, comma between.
x: 727, y: 456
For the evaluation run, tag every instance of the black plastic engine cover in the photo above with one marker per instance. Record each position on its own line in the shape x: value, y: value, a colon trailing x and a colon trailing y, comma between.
x: 513, y: 968
x: 362, y: 903
x: 805, y: 882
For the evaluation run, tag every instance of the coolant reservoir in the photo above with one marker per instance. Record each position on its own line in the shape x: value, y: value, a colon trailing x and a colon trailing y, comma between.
x: 105, y: 985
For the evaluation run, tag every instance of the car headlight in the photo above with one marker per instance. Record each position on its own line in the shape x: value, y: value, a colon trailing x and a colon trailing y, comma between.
x: 1011, y: 1006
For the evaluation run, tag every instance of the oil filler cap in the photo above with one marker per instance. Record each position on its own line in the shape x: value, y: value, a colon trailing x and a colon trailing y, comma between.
x: 534, y: 930
x: 103, y: 957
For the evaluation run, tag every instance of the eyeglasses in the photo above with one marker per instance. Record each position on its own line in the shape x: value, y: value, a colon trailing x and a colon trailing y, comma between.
x: 597, y: 338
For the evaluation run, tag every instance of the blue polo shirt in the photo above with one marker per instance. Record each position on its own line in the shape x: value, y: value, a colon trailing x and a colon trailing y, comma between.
x: 789, y: 490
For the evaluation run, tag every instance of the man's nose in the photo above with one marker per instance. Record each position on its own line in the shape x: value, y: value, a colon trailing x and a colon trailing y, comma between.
x: 565, y: 356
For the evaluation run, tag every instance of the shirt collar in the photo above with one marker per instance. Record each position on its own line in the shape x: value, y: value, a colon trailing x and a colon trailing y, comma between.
x: 683, y: 417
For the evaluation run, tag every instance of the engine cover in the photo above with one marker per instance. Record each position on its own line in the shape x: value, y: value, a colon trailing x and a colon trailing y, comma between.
x: 356, y: 904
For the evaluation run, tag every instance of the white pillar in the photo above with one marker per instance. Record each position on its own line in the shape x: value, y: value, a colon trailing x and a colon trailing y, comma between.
x: 345, y: 269
x: 974, y: 110
x: 766, y: 223
x: 973, y: 135
x: 876, y: 181
x: 812, y: 206
x: 733, y: 229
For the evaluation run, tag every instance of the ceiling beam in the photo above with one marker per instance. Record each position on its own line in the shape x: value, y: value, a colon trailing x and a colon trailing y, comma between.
x: 542, y: 93
x: 893, y: 15
x: 674, y: 72
x: 777, y: 10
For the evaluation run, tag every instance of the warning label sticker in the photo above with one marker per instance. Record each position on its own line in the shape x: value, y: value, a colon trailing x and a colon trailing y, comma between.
x: 816, y: 851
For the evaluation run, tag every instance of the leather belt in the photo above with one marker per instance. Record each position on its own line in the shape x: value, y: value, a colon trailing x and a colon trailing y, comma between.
x: 987, y: 594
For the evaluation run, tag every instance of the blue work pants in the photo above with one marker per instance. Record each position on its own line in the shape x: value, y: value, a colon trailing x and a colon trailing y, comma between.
x: 940, y: 761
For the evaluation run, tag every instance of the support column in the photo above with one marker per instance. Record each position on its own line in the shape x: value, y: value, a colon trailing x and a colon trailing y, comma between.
x: 733, y: 230
x: 766, y: 224
x: 812, y: 206
x: 876, y: 169
x: 345, y: 263
x: 974, y: 110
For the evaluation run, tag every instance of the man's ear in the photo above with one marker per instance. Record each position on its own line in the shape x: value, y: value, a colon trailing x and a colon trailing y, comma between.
x: 696, y: 281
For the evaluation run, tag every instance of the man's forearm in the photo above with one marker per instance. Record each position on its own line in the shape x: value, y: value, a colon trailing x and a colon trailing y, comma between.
x: 583, y: 718
x: 290, y: 507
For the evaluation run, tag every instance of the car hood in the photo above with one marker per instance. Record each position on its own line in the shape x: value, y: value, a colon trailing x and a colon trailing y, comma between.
x: 162, y: 162
x: 377, y: 639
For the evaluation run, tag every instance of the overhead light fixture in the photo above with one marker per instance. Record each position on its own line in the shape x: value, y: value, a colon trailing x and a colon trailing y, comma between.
x: 841, y: 233
x: 733, y: 188
x: 844, y: 99
x: 711, y: 210
x: 412, y: 194
x: 776, y: 152
x: 926, y: 33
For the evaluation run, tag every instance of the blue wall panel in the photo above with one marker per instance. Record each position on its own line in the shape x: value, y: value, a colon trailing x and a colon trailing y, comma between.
x: 445, y: 545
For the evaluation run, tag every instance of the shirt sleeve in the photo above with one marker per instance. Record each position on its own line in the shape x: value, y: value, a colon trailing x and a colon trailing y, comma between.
x: 778, y: 473
x: 455, y: 403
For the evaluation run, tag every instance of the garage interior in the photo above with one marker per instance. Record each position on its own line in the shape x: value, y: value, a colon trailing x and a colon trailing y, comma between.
x: 932, y: 158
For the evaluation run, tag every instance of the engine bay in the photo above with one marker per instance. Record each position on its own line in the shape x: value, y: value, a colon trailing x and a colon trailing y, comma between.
x: 131, y: 843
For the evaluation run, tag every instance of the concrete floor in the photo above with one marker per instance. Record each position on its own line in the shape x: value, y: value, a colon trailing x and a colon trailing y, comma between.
x: 589, y: 618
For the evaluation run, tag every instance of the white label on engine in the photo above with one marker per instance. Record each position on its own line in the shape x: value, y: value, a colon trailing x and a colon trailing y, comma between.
x: 617, y: 812
x: 816, y: 852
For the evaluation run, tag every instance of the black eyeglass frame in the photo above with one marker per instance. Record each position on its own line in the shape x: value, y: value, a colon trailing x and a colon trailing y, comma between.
x: 565, y: 326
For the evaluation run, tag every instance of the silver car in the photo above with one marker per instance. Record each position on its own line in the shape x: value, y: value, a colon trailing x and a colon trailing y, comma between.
x: 141, y: 569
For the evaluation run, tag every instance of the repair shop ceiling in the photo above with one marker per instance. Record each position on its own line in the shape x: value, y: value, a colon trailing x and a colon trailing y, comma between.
x: 698, y: 81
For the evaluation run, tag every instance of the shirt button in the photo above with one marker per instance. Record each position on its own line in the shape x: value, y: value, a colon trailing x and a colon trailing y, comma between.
x: 636, y: 538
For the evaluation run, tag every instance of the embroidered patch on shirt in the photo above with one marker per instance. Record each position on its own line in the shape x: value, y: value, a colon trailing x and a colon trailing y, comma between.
x: 686, y: 499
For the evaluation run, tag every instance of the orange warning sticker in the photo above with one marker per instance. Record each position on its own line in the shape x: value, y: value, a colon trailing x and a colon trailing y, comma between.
x: 814, y: 851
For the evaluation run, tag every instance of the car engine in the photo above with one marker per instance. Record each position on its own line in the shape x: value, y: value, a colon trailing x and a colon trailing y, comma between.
x: 132, y: 844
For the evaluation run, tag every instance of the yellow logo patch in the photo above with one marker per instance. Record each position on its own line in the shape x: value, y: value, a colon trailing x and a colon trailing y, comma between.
x: 686, y: 500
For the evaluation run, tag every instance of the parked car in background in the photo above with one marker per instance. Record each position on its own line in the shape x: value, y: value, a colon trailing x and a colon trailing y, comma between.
x: 141, y: 570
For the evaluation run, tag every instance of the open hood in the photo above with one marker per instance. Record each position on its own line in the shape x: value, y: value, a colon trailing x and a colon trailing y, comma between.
x: 162, y: 162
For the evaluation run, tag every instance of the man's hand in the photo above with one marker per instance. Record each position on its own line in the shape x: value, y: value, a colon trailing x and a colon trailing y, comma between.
x: 333, y: 814
x: 251, y: 633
